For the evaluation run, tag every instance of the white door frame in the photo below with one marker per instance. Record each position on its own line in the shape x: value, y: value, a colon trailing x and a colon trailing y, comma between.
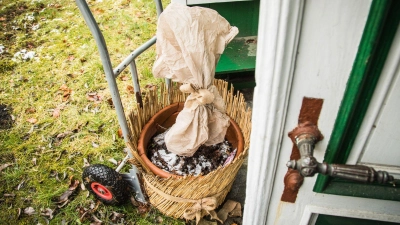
x: 279, y: 28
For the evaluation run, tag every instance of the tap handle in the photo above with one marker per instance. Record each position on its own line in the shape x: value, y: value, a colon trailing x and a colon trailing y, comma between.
x: 355, y: 172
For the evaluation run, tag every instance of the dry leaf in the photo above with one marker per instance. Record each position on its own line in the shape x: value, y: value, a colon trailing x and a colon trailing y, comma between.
x: 123, y: 78
x: 12, y: 195
x: 63, y: 87
x: 83, y: 213
x: 98, y: 11
x: 85, y: 162
x: 86, y: 109
x: 48, y: 213
x: 56, y: 113
x: 95, y: 145
x: 93, y: 96
x: 61, y: 136
x: 30, y: 110
x: 20, y: 185
x: 120, y: 133
x: 110, y: 102
x: 96, y: 220
x: 54, y: 174
x: 143, y: 208
x: 71, y: 75
x: 19, y: 213
x: 151, y: 86
x: 159, y: 219
x: 134, y: 202
x: 113, y: 161
x: 2, y: 167
x: 34, y: 161
x: 57, y: 110
x: 32, y: 120
x: 71, y: 190
x: 115, y: 217
x: 66, y: 92
x: 29, y: 211
x: 130, y: 89
x: 66, y: 95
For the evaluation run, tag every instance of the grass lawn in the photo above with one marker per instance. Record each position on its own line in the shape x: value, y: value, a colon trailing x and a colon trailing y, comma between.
x: 55, y: 113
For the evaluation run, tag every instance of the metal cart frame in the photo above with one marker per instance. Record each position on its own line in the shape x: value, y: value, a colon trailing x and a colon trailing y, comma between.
x: 112, y: 73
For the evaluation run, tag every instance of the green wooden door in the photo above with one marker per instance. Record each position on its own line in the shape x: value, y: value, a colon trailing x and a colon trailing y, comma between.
x: 380, y: 29
x: 339, y: 220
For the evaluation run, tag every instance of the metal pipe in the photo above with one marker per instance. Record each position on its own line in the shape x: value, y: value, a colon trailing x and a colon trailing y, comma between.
x: 105, y: 59
x: 133, y: 56
x: 127, y: 157
x: 136, y: 86
x: 159, y: 7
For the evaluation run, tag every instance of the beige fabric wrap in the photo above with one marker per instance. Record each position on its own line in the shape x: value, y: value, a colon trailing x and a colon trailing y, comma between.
x: 190, y: 41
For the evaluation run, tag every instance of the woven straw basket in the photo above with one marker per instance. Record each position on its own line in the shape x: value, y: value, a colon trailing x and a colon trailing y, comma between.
x: 184, y: 197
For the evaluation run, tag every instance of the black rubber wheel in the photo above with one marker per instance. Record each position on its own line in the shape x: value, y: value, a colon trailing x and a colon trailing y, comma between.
x: 106, y: 184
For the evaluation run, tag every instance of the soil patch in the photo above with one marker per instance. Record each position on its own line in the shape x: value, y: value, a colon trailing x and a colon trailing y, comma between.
x: 205, y: 160
x: 5, y: 117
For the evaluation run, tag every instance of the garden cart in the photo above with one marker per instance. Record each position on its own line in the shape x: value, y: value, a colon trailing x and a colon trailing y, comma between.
x: 101, y: 180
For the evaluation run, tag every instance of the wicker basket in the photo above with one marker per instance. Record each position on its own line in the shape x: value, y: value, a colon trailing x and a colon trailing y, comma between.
x: 191, y: 196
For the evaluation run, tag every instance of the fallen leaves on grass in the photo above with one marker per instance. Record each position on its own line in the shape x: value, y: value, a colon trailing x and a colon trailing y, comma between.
x: 142, y: 207
x: 54, y: 174
x: 96, y: 220
x: 65, y: 198
x: 85, y: 213
x: 47, y: 213
x: 61, y: 136
x: 66, y: 92
x: 115, y: 216
x: 57, y: 111
x: 94, y: 97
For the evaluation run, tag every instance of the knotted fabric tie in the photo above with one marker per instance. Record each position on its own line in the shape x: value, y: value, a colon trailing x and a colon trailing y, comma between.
x: 202, y: 96
x: 207, y: 204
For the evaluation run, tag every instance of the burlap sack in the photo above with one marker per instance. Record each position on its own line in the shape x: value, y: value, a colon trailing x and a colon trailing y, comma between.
x: 190, y: 41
